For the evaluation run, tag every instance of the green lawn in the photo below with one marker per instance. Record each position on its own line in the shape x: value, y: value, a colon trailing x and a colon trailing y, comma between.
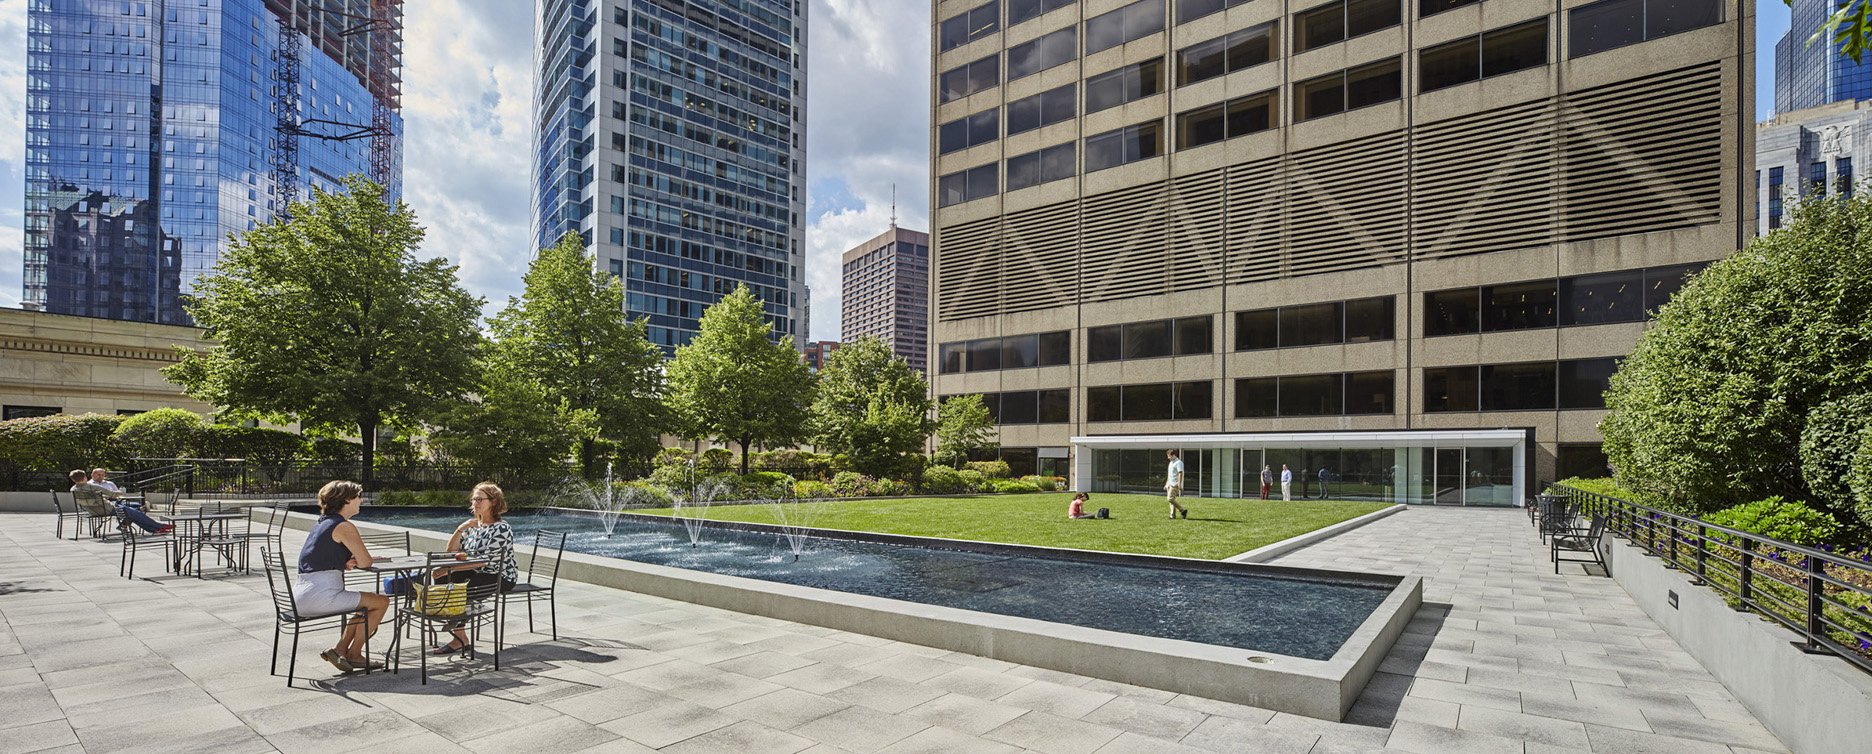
x: 1216, y: 527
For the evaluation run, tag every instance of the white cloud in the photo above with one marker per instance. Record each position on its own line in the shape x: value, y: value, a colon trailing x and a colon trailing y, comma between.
x: 867, y: 130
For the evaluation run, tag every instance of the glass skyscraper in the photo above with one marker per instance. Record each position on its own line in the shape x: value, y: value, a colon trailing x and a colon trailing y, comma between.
x: 1809, y: 75
x: 151, y: 135
x: 671, y: 138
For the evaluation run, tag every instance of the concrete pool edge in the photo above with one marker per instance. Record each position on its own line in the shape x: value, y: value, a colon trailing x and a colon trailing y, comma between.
x: 1323, y: 689
x: 1274, y: 550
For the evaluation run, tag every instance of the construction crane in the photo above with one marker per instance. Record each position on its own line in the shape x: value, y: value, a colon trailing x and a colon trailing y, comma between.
x: 382, y: 25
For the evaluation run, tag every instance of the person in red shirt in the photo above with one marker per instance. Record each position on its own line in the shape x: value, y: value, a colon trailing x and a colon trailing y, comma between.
x: 1076, y: 509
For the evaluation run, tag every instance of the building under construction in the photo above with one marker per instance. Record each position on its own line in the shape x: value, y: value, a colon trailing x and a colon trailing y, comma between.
x: 155, y: 129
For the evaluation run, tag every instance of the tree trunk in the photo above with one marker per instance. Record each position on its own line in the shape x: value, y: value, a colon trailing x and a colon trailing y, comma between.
x: 746, y: 442
x: 367, y: 430
x: 588, y: 461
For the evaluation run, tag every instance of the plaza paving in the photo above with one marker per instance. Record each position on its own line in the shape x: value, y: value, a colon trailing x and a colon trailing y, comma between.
x: 1504, y: 656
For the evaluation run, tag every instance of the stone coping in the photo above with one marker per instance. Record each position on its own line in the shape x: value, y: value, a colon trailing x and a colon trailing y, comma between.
x: 1323, y: 689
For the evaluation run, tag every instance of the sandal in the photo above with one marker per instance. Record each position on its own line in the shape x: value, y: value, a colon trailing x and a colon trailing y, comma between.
x: 338, y: 661
x: 453, y: 646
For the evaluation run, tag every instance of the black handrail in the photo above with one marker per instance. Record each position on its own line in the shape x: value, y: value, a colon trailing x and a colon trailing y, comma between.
x: 1817, y: 594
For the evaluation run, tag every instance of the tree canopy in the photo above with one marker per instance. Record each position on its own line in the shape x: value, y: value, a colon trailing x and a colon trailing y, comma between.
x: 963, y: 427
x: 1709, y: 409
x: 871, y: 407
x: 733, y: 383
x: 326, y: 317
x: 568, y: 334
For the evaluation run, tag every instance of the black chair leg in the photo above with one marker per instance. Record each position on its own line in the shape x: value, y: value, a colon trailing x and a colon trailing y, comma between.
x: 292, y: 661
x: 274, y: 669
x: 552, y: 607
x: 530, y: 628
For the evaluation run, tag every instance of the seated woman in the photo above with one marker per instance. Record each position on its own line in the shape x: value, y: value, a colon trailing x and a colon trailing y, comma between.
x: 484, y: 536
x: 1076, y: 509
x: 100, y: 501
x: 331, y: 548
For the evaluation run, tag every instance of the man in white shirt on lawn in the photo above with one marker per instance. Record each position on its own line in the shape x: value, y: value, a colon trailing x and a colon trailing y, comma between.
x: 1286, y: 483
x: 1173, y: 484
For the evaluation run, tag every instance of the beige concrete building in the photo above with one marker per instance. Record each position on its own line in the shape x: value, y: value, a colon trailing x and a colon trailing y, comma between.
x: 884, y: 293
x: 1395, y: 246
x: 56, y: 363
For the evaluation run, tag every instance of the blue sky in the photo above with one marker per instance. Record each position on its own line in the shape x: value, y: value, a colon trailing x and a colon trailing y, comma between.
x: 468, y: 91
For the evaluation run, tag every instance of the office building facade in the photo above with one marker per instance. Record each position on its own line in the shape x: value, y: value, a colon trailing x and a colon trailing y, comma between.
x: 884, y: 293
x: 152, y: 132
x: 671, y: 137
x: 1396, y: 247
x: 1812, y: 75
x: 1806, y: 154
x: 818, y: 352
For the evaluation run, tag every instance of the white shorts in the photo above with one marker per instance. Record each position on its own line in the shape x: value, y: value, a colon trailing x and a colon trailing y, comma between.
x: 323, y: 593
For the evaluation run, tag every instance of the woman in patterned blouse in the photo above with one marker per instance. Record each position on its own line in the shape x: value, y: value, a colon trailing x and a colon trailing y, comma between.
x: 484, y: 536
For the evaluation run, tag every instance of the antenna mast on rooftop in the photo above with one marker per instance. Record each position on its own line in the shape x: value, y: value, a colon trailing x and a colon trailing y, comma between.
x: 893, y: 206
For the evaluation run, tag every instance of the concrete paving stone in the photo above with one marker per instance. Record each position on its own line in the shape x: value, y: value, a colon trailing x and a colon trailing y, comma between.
x: 914, y: 668
x: 1065, y: 701
x: 965, y: 713
x: 978, y: 683
x: 312, y: 710
x: 1523, y: 726
x: 1224, y: 709
x: 664, y: 676
x: 744, y: 737
x: 711, y: 652
x: 209, y: 728
x: 1050, y: 676
x: 792, y: 643
x: 1750, y: 734
x: 785, y: 708
x: 1622, y: 741
x: 1427, y: 711
x: 821, y: 678
x: 1144, y: 718
x: 1344, y: 734
x: 667, y: 640
x: 1597, y: 712
x: 607, y: 704
x: 20, y: 739
x: 1680, y: 683
x: 1053, y: 734
x: 1427, y: 739
x: 1422, y: 668
x: 669, y: 722
x: 1640, y: 698
x: 762, y: 664
x: 1518, y: 681
x: 146, y: 680
x: 855, y: 655
x: 723, y: 690
x: 979, y: 662
x: 136, y: 708
x: 1463, y: 693
x: 473, y: 717
x: 1225, y: 734
x: 424, y: 742
x: 1536, y: 747
x: 940, y: 740
x: 1135, y: 743
x: 349, y: 734
x: 1141, y: 693
x: 1722, y: 709
x: 28, y: 704
x: 861, y: 729
x: 886, y: 694
x: 552, y: 734
x: 619, y: 746
x: 1471, y: 659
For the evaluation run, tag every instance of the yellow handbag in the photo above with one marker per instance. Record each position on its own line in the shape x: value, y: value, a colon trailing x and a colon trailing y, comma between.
x: 441, y: 599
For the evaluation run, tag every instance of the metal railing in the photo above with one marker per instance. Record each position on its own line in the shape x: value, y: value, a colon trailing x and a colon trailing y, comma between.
x: 1824, y: 596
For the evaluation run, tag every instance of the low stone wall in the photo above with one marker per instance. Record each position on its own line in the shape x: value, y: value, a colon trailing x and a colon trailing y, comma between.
x: 1323, y: 689
x: 1813, y: 703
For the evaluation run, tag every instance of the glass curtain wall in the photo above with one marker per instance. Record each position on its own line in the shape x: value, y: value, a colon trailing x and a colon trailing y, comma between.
x: 1449, y: 476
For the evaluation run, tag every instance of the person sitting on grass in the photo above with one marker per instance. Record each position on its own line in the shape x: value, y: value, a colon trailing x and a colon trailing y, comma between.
x: 331, y: 548
x: 1076, y: 509
x: 101, y: 502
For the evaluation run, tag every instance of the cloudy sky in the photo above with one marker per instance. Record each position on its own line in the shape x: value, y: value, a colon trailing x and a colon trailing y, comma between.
x: 468, y: 89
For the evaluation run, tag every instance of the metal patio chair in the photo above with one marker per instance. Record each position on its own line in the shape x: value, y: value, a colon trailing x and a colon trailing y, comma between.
x: 481, y: 609
x: 80, y: 517
x: 539, y: 583
x: 286, y: 614
x: 135, y: 540
x: 1579, y: 539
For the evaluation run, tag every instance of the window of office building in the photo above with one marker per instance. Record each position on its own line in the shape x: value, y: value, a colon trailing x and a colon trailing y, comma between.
x: 1124, y: 145
x: 1843, y: 175
x: 1312, y: 324
x: 1224, y: 55
x: 968, y: 185
x: 1053, y: 49
x: 1598, y: 298
x: 1010, y: 352
x: 1349, y: 89
x: 1428, y: 8
x: 1149, y: 340
x: 1257, y: 397
x: 952, y: 357
x: 1356, y: 321
x: 1343, y: 19
x: 1450, y: 389
x: 1774, y: 198
x: 1491, y: 53
x: 1518, y: 306
x: 1332, y: 394
x: 970, y: 25
x: 1370, y: 319
x: 984, y: 355
x: 1127, y: 84
x: 964, y: 80
x: 1517, y: 387
x: 974, y: 130
x: 1661, y: 283
x: 1190, y: 10
x: 1370, y: 392
x: 1583, y: 460
x: 1237, y: 117
x: 1019, y: 407
x: 1020, y: 351
x: 1054, y: 163
x: 1611, y: 24
x: 1134, y: 21
x: 1055, y: 406
x: 1162, y: 401
x: 1602, y: 298
x: 1043, y: 109
x: 1583, y: 382
x: 1312, y: 395
x: 1028, y: 10
x: 1526, y: 386
x: 9, y: 413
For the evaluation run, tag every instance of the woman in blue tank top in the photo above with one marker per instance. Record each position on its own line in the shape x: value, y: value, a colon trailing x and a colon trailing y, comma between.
x: 331, y: 548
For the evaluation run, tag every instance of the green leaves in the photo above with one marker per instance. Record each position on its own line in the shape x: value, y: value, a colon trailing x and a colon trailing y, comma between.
x: 871, y: 407
x: 329, y: 319
x: 963, y: 427
x: 734, y: 384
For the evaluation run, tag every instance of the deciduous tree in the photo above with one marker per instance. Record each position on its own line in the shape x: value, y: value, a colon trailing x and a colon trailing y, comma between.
x: 733, y: 383
x: 871, y: 407
x: 963, y: 427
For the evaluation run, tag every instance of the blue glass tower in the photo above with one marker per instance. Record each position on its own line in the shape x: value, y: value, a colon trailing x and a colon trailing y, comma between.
x: 1811, y: 75
x: 151, y: 132
x: 671, y: 138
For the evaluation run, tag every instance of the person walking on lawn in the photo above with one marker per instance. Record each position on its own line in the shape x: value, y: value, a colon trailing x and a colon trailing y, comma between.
x: 1173, y: 484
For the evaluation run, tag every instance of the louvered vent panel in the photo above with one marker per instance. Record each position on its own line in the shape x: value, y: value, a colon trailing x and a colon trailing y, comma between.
x: 1644, y: 155
x: 1256, y: 191
x: 968, y: 270
x: 1122, y: 254
x: 1198, y: 208
x: 1345, y: 206
x: 1485, y: 182
x: 1040, y: 257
